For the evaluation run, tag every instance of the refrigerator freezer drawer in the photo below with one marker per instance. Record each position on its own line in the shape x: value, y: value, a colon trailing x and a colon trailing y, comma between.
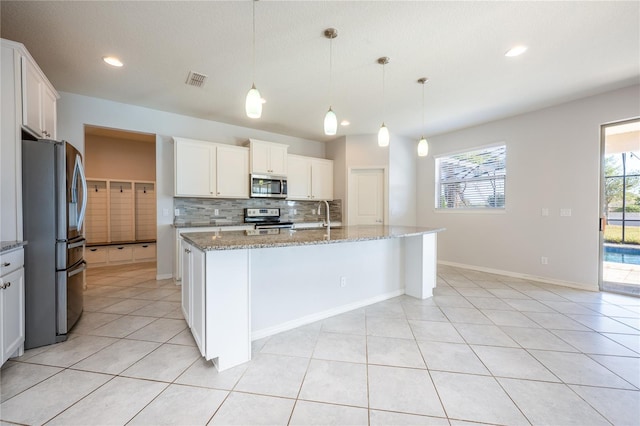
x: 120, y: 254
x: 70, y: 297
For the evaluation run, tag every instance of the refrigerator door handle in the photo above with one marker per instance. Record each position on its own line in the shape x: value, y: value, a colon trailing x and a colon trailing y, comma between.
x: 78, y: 270
x: 78, y: 244
x: 83, y: 181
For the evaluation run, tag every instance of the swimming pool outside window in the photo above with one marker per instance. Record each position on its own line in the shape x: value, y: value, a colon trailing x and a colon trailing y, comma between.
x: 472, y: 180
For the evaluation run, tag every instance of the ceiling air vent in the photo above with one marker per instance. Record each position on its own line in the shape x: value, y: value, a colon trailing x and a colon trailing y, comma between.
x: 196, y: 79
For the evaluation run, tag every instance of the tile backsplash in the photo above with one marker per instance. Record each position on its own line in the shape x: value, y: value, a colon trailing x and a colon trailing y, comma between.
x: 199, y: 211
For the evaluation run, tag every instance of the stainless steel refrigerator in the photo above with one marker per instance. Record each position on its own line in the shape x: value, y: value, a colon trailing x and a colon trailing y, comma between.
x: 54, y: 202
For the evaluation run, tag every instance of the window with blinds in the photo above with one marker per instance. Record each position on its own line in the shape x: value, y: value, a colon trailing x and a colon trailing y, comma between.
x: 472, y: 179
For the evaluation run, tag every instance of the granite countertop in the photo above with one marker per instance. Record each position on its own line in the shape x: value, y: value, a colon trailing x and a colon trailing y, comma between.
x: 235, y: 240
x: 11, y: 245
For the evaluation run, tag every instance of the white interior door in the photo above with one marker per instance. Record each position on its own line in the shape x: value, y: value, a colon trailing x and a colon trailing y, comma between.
x: 366, y: 197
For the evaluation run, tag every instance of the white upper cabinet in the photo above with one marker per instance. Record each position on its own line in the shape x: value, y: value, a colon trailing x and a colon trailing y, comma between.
x: 299, y: 178
x: 268, y: 157
x: 309, y: 178
x: 194, y: 161
x: 205, y: 169
x: 321, y: 179
x: 38, y: 101
x: 232, y: 171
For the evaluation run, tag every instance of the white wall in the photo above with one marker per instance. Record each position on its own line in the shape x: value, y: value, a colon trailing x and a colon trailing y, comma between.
x: 403, y: 164
x: 74, y: 111
x: 553, y: 161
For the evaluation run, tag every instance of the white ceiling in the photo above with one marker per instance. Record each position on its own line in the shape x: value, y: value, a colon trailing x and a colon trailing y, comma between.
x: 576, y: 49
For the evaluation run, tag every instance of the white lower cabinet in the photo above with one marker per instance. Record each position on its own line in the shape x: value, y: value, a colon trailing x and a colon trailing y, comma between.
x: 193, y: 293
x: 187, y: 301
x: 215, y: 292
x: 12, y: 304
x: 198, y: 314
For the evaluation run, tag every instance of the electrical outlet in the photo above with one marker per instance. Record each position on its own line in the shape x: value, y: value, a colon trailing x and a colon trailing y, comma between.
x: 565, y: 212
x: 544, y: 260
x: 343, y: 282
x: 175, y: 212
x: 216, y: 212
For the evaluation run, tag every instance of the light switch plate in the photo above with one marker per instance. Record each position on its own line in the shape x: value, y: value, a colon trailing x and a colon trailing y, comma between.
x: 565, y: 212
x: 545, y: 212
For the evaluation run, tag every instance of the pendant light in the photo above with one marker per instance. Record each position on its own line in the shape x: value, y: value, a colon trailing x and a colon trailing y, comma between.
x: 253, y: 104
x: 383, y: 133
x: 423, y: 145
x: 330, y: 119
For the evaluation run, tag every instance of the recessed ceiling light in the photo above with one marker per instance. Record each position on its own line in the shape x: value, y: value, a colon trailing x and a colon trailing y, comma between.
x: 345, y: 122
x: 113, y: 61
x: 516, y: 51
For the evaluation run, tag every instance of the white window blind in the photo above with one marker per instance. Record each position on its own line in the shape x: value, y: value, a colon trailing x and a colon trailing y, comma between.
x: 472, y: 179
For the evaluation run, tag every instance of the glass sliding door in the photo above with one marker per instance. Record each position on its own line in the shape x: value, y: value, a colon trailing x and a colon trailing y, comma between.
x: 620, y: 204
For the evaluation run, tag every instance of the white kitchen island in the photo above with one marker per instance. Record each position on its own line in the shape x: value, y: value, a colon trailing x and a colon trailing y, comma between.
x: 237, y: 287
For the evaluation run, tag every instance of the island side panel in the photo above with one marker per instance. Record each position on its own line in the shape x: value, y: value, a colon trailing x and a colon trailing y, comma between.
x: 420, y: 265
x: 292, y: 286
x: 228, y: 312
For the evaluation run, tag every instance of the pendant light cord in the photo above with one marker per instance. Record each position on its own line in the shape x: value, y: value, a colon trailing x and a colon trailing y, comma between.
x: 253, y: 59
x: 330, y: 68
x: 423, y: 109
x: 383, y: 105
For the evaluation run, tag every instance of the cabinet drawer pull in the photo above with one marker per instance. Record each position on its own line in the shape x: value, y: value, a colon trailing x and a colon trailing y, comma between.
x: 5, y: 264
x: 145, y: 246
x: 93, y: 249
x: 120, y: 248
x: 5, y: 285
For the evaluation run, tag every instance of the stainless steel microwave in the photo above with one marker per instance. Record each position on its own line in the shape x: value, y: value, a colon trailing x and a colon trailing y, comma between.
x: 268, y: 186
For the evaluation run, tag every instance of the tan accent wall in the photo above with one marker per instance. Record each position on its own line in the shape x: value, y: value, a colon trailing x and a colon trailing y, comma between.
x: 111, y: 158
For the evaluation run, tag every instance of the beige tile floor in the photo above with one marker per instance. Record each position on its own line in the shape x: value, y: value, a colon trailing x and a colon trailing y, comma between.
x: 486, y: 349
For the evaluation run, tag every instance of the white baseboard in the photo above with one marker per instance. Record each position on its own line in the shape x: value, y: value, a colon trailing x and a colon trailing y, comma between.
x: 270, y: 331
x: 163, y: 276
x: 528, y: 277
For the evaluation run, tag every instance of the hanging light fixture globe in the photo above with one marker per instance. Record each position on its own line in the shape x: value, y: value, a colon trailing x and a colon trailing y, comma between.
x: 253, y: 103
x: 423, y: 145
x: 383, y: 136
x: 383, y: 133
x: 330, y: 123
